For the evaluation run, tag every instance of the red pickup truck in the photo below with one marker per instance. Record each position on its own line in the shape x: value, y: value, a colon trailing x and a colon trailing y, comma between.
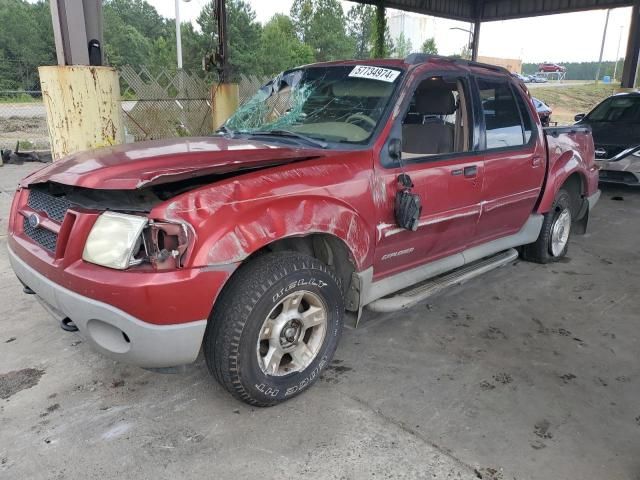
x: 335, y: 187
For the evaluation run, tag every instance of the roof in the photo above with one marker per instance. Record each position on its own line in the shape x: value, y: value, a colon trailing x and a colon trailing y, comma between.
x: 412, y: 60
x: 487, y: 10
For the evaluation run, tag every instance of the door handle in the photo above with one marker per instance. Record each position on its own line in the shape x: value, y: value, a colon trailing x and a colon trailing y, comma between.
x: 470, y: 171
x: 536, y: 162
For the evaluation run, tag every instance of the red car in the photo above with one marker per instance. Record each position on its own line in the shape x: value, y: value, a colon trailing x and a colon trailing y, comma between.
x: 336, y: 186
x: 551, y: 67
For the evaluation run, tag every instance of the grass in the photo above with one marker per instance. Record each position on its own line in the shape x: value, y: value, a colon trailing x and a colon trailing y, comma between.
x: 18, y: 98
x: 566, y: 102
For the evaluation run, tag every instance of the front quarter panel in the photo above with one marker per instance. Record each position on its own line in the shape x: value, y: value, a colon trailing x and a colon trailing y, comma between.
x: 236, y: 217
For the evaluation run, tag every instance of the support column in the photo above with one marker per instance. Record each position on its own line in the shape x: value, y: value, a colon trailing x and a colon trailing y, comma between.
x: 224, y: 99
x: 629, y: 73
x: 83, y: 108
x: 379, y: 47
x: 81, y: 98
x: 475, y: 43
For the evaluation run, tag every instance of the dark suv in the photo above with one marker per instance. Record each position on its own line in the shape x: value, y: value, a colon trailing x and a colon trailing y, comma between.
x: 615, y: 123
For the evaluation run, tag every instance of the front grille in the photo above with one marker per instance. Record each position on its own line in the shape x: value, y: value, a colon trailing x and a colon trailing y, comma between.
x: 54, y: 207
x: 42, y: 236
x: 608, y: 151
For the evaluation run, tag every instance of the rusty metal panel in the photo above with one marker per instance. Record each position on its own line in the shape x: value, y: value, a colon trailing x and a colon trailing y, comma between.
x: 83, y: 108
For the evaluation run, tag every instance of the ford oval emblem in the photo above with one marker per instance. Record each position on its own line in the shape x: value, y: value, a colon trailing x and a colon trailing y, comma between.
x: 34, y: 220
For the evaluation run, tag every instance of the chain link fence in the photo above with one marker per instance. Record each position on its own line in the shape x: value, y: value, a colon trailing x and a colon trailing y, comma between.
x: 155, y: 105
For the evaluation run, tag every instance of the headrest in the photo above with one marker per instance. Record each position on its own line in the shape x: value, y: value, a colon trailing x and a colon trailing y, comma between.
x: 435, y: 101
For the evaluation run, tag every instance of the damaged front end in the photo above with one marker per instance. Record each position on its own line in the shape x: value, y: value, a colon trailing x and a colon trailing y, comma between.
x: 624, y: 168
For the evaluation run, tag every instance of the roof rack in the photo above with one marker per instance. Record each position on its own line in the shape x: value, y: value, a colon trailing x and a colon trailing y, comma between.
x: 417, y: 58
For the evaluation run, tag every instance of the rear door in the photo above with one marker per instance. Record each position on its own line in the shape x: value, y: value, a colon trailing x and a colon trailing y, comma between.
x: 514, y: 158
x: 436, y: 127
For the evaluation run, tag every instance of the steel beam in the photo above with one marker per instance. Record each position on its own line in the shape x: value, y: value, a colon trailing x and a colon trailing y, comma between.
x: 475, y: 42
x: 75, y: 23
x: 630, y: 70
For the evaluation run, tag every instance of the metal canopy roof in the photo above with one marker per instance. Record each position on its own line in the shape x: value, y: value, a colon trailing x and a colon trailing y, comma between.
x: 488, y: 10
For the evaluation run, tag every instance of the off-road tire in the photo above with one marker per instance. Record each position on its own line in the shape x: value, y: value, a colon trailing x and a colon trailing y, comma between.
x: 541, y: 251
x: 237, y: 321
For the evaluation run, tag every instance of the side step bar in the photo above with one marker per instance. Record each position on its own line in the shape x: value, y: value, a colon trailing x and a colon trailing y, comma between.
x: 409, y: 297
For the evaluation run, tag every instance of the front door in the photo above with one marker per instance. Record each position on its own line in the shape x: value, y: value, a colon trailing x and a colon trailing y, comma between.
x: 437, y: 154
x: 514, y: 159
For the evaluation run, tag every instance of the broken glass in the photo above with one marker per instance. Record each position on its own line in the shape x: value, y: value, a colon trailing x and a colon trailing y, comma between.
x: 341, y: 104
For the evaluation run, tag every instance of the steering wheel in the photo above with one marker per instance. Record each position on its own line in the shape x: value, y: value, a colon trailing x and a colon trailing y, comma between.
x: 361, y: 117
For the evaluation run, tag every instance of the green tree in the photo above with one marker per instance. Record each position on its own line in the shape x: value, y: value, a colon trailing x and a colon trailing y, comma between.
x: 162, y: 55
x: 195, y: 45
x: 429, y: 46
x: 124, y: 44
x: 140, y: 15
x: 361, y: 25
x: 302, y: 16
x: 244, y: 35
x: 321, y: 24
x: 281, y: 49
x: 403, y: 46
x: 26, y: 42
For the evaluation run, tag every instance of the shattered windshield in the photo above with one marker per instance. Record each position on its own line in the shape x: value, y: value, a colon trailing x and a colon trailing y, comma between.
x: 342, y: 104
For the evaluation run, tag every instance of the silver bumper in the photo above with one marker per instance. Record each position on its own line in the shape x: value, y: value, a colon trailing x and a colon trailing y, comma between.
x: 112, y: 331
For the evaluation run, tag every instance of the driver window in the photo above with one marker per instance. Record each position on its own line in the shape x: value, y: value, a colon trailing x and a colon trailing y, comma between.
x: 437, y: 120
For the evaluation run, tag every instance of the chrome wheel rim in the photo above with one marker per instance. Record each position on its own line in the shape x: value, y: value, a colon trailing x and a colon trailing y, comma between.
x: 560, y: 232
x: 292, y: 334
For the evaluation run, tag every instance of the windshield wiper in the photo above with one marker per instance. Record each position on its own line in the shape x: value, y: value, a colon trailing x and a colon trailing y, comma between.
x: 226, y: 131
x: 287, y: 133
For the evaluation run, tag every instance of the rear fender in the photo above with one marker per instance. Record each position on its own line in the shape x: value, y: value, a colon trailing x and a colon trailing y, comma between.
x: 232, y: 241
x: 567, y: 164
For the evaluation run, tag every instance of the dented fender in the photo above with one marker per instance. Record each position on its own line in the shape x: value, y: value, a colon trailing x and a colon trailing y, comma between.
x: 568, y: 153
x: 284, y: 218
x: 235, y: 218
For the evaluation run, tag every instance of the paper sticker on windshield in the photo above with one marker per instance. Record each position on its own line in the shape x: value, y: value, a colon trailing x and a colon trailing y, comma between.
x: 375, y: 73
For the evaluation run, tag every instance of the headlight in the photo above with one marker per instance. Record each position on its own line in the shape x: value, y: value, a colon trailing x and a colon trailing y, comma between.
x: 113, y: 239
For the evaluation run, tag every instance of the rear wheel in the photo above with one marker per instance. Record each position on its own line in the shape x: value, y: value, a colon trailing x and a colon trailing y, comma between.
x: 553, y: 242
x: 275, y: 327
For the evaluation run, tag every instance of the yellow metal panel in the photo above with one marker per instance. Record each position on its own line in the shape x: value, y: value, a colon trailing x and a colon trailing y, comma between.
x: 225, y: 99
x: 83, y: 108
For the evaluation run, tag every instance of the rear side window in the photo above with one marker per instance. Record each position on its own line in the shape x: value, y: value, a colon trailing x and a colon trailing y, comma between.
x: 501, y: 115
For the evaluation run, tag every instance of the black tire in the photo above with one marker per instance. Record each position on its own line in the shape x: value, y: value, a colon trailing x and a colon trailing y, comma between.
x: 254, y: 292
x: 541, y: 250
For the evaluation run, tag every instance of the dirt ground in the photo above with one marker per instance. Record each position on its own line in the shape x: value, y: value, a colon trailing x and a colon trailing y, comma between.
x: 31, y: 132
x: 529, y: 372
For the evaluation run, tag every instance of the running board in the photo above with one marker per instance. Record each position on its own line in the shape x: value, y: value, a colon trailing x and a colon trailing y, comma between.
x: 411, y: 296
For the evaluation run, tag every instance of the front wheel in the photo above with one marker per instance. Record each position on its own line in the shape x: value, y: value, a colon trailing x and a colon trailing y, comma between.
x: 553, y: 242
x: 274, y: 328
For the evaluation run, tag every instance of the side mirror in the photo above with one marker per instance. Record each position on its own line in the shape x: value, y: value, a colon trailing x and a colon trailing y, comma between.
x: 579, y: 117
x: 408, y: 205
x: 395, y: 148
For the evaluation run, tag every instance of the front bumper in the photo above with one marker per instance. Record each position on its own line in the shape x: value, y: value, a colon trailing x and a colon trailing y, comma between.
x: 112, y: 331
x: 622, y: 171
x: 620, y: 177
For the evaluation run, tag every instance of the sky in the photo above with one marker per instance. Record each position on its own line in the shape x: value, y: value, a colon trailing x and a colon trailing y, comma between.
x: 554, y: 38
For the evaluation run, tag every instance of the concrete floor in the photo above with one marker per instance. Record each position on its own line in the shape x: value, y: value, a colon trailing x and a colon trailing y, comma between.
x: 530, y: 372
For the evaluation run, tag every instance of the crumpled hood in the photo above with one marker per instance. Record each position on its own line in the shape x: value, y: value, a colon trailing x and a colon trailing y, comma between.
x: 138, y: 165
